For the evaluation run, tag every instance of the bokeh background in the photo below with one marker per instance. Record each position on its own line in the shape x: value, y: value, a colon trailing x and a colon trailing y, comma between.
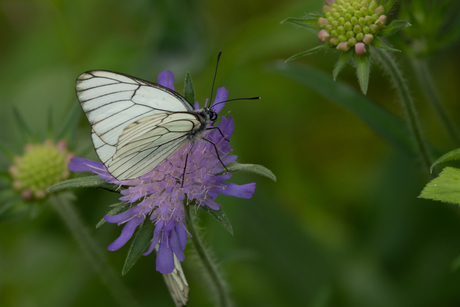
x: 342, y: 226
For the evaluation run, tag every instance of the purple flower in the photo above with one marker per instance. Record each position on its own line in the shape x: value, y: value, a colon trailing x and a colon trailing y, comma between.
x: 160, y: 196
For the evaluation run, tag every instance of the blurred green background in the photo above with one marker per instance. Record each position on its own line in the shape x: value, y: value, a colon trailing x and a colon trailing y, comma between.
x: 342, y: 226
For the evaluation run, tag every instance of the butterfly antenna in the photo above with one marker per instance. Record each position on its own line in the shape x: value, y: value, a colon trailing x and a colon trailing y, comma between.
x: 251, y: 98
x: 215, y: 74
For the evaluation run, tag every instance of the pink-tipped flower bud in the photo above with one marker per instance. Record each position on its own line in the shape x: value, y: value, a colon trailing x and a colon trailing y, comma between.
x: 381, y: 21
x: 324, y: 36
x: 26, y: 194
x: 322, y: 22
x: 360, y: 48
x: 368, y: 38
x: 62, y: 146
x: 379, y: 10
x: 343, y: 46
x: 330, y: 2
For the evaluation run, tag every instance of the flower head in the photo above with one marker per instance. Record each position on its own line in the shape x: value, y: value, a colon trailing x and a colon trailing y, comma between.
x: 40, y: 167
x: 350, y: 26
x: 159, y: 197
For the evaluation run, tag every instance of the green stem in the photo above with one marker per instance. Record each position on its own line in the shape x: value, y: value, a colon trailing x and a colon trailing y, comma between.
x: 210, y: 268
x: 427, y: 85
x: 63, y: 206
x: 407, y: 104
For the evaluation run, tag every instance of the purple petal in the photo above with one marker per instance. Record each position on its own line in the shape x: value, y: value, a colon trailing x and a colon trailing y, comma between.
x: 211, y: 204
x: 182, y: 235
x: 166, y: 79
x: 81, y: 165
x: 221, y: 95
x: 120, y: 217
x: 175, y: 246
x: 229, y: 159
x: 165, y: 259
x: 196, y: 105
x: 156, y: 237
x: 241, y: 191
x: 126, y: 234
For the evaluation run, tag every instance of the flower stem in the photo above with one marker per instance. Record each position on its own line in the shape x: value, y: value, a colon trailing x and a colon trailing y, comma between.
x: 407, y: 104
x: 62, y: 203
x: 427, y: 85
x: 216, y: 281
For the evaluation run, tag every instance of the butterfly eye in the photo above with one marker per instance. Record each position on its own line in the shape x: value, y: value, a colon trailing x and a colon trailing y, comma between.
x: 213, y: 115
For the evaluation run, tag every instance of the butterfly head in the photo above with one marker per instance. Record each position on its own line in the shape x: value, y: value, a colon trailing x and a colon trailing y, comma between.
x: 211, y: 113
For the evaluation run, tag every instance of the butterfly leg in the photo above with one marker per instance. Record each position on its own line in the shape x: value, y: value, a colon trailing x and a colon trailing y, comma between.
x: 185, y: 166
x: 212, y: 128
x: 217, y: 152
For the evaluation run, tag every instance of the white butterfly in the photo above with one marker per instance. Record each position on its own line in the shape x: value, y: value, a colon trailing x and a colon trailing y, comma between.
x: 137, y: 124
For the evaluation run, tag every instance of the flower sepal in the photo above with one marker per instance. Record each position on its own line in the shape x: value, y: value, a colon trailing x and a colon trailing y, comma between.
x: 309, y: 51
x: 140, y: 243
x: 393, y: 27
x: 221, y: 217
x: 310, y: 22
x: 93, y: 181
x: 251, y: 168
x: 362, y: 64
x: 189, y: 89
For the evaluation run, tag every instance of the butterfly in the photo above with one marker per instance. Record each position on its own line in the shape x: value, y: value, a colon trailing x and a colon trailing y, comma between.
x: 137, y: 124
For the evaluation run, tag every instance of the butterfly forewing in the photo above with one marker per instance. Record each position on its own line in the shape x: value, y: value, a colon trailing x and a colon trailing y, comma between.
x: 146, y: 143
x: 113, y: 102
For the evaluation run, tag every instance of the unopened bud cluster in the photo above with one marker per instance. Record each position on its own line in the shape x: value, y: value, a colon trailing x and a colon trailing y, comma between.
x: 351, y: 23
x: 41, y: 166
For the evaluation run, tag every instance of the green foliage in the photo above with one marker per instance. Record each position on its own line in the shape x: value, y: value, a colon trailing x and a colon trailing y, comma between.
x: 343, y: 59
x: 251, y: 168
x: 445, y: 188
x: 93, y: 181
x: 362, y: 64
x: 221, y: 217
x: 189, y: 90
x: 393, y: 27
x: 140, y: 243
x: 450, y: 156
x: 308, y: 22
x: 309, y: 51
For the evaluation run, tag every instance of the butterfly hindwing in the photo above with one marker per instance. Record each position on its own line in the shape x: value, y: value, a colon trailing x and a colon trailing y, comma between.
x: 146, y: 143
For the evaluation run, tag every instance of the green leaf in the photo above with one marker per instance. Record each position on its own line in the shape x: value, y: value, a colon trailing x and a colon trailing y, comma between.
x: 7, y: 152
x: 221, y: 217
x: 450, y: 156
x: 385, y: 124
x: 389, y: 5
x: 363, y: 69
x: 393, y: 27
x: 49, y: 126
x: 118, y: 207
x: 308, y: 22
x: 141, y: 241
x: 83, y: 182
x: 341, y: 63
x: 69, y: 127
x: 189, y: 90
x: 445, y: 188
x: 377, y: 42
x: 24, y: 129
x: 308, y: 52
x: 251, y: 168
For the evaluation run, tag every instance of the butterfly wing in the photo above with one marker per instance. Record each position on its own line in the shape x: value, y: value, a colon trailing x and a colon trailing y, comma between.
x: 112, y: 101
x: 147, y: 142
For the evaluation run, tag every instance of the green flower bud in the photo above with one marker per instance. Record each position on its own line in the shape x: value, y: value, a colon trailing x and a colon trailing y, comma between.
x: 348, y: 26
x: 354, y: 20
x: 350, y: 34
x: 357, y: 29
x: 343, y: 46
x: 352, y: 42
x: 358, y: 14
x: 359, y: 36
x: 342, y: 38
x: 379, y: 10
x: 334, y: 41
x: 368, y: 38
x: 366, y: 30
x: 374, y: 28
x: 40, y: 167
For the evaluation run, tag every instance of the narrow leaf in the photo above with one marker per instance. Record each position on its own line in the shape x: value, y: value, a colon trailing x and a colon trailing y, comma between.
x: 308, y: 52
x: 189, y: 90
x: 140, y: 243
x: 445, y: 188
x: 363, y: 69
x: 83, y: 182
x: 49, y: 126
x: 70, y: 123
x: 308, y: 22
x: 389, y: 5
x: 7, y: 152
x: 24, y: 129
x: 385, y: 124
x: 341, y: 63
x: 393, y: 27
x: 118, y: 207
x: 251, y: 168
x: 377, y: 42
x: 221, y: 217
x: 450, y: 156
